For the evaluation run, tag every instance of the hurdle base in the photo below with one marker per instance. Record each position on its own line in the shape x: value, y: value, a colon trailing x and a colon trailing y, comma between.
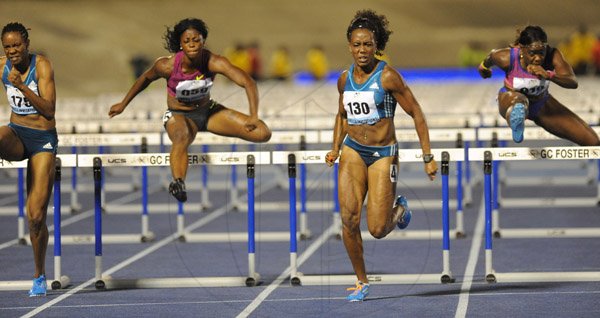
x: 90, y: 239
x: 538, y: 277
x: 306, y: 235
x: 61, y: 283
x: 394, y: 279
x: 18, y: 285
x: 148, y: 238
x: 75, y: 209
x: 558, y: 232
x: 219, y: 237
x: 410, y: 235
x: 180, y: 282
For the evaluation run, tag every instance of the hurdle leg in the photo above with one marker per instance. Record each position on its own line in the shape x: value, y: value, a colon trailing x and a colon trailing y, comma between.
x: 304, y: 231
x: 294, y: 275
x: 460, y: 228
x: 468, y: 191
x: 59, y: 281
x: 337, y: 221
x: 204, y: 200
x: 495, y: 199
x: 446, y: 272
x: 253, y: 277
x: 180, y: 222
x: 98, y: 223
x: 21, y: 215
x: 75, y: 206
x: 487, y: 167
x: 147, y: 235
x: 598, y: 184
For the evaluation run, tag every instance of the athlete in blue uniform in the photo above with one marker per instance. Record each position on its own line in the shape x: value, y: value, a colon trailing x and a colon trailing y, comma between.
x: 31, y: 134
x: 530, y: 65
x: 364, y: 132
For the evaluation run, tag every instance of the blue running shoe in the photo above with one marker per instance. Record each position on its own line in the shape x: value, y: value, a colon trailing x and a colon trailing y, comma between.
x: 406, y: 215
x: 359, y: 293
x: 517, y: 122
x: 39, y: 287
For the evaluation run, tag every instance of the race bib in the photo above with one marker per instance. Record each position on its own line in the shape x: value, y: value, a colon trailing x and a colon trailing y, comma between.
x: 530, y: 86
x: 360, y: 107
x: 193, y: 90
x: 18, y: 103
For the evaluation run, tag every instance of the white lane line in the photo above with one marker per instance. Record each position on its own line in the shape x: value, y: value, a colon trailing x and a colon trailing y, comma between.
x: 309, y: 251
x: 203, y: 221
x: 284, y: 300
x: 465, y: 288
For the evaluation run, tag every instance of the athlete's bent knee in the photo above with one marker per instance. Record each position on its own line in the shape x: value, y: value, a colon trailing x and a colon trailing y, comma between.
x: 378, y: 232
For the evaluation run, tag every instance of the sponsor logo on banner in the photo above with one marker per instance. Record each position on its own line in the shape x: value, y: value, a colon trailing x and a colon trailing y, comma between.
x: 311, y: 158
x: 565, y: 153
x: 507, y: 154
x: 230, y: 159
x: 159, y: 160
x: 116, y: 160
x: 198, y: 159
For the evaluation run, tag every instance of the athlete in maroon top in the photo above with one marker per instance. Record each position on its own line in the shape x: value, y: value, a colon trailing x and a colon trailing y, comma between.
x: 189, y: 74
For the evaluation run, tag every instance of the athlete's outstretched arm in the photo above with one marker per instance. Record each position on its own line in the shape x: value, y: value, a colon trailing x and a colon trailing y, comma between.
x: 159, y: 69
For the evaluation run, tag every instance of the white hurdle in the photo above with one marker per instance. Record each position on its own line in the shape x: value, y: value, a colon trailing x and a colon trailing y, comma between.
x: 503, y: 134
x: 60, y: 280
x: 487, y: 155
x: 102, y: 140
x: 250, y: 159
x: 409, y: 155
x: 500, y: 136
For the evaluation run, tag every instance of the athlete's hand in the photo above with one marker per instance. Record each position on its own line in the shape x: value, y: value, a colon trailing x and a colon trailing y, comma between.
x: 116, y: 109
x: 251, y: 123
x: 331, y: 157
x: 431, y: 169
x: 14, y: 77
x: 484, y: 72
x: 539, y: 71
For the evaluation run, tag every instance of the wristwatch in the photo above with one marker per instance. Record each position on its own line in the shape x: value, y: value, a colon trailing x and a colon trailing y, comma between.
x: 427, y: 157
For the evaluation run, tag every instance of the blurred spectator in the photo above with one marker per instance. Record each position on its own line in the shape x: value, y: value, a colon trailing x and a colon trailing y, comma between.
x: 281, y: 64
x: 239, y: 57
x: 139, y: 64
x: 564, y: 47
x: 580, y: 50
x: 596, y: 55
x: 471, y: 54
x: 316, y: 62
x: 255, y: 61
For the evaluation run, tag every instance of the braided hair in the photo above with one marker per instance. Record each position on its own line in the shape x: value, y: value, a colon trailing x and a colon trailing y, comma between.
x: 370, y: 20
x: 16, y: 27
x: 173, y: 36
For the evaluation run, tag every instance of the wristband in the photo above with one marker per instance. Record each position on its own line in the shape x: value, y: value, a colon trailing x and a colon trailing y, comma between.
x: 550, y: 74
x: 427, y: 157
